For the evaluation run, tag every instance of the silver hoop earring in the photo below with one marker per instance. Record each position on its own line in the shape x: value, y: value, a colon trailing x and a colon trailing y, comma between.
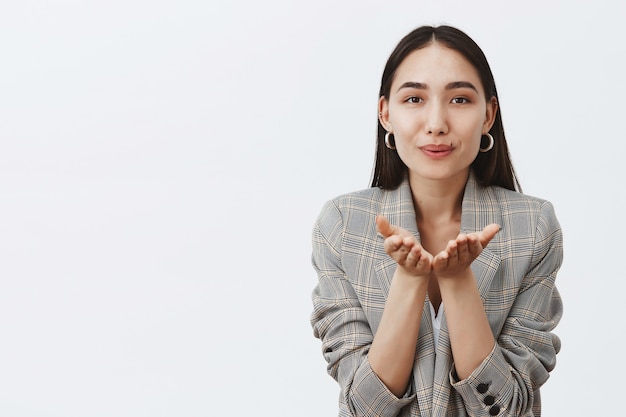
x: 388, y: 142
x: 491, y: 143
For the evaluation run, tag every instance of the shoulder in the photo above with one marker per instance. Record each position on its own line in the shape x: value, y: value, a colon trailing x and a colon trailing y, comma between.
x: 507, y: 196
x: 368, y: 200
x: 360, y: 198
x: 355, y: 210
x: 517, y: 205
x: 528, y: 218
x: 516, y: 212
x: 350, y: 216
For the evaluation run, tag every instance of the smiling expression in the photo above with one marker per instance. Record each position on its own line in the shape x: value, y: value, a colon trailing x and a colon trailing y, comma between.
x: 437, y: 112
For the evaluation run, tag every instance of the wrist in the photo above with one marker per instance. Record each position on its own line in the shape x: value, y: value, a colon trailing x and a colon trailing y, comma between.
x: 408, y: 280
x: 460, y: 279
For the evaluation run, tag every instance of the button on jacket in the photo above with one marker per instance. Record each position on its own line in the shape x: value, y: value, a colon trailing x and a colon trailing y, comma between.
x: 515, y: 275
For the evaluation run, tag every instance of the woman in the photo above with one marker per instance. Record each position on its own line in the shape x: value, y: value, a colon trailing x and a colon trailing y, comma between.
x: 436, y: 292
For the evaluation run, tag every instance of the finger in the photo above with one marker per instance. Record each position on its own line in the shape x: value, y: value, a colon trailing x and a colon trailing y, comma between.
x: 474, y: 245
x: 463, y: 248
x: 488, y: 233
x: 452, y: 249
x: 393, y: 244
x: 410, y: 241
x: 440, y: 261
x: 424, y: 262
x: 414, y: 255
x: 384, y: 227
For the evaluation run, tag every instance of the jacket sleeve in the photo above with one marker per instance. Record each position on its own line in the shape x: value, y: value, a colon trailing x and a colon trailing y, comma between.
x: 507, y: 382
x: 340, y: 322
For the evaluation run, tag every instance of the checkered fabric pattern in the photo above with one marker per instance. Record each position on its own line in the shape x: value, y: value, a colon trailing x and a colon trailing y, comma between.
x: 515, y: 275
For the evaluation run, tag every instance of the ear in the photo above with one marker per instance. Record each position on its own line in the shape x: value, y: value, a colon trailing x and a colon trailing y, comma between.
x: 383, y: 113
x: 490, y: 114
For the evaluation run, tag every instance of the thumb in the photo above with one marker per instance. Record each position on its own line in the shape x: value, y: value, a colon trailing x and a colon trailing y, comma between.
x: 488, y: 233
x: 383, y: 226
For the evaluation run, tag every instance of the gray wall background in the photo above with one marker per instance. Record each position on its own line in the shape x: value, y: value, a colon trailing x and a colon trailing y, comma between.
x: 162, y: 163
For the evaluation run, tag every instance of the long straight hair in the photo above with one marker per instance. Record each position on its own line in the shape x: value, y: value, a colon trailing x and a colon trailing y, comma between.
x: 490, y: 168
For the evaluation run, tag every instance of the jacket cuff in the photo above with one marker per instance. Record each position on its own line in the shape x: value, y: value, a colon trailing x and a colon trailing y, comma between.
x: 488, y: 389
x: 370, y: 396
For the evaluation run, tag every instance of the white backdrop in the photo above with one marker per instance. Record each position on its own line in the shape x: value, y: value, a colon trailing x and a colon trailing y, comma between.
x: 162, y: 163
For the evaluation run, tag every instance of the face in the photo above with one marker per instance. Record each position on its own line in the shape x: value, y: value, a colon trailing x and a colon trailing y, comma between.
x: 437, y: 112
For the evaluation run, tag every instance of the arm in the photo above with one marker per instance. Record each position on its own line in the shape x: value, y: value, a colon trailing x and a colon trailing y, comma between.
x: 339, y: 321
x: 471, y: 338
x: 393, y: 350
x: 525, y: 352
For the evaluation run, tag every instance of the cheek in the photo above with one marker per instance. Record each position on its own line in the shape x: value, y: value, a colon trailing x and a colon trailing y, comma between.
x: 401, y: 136
x: 403, y: 141
x: 476, y: 137
x: 406, y: 150
x: 404, y: 127
x: 474, y: 143
x: 474, y: 130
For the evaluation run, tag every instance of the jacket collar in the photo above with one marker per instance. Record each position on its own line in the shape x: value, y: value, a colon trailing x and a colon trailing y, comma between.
x: 479, y: 207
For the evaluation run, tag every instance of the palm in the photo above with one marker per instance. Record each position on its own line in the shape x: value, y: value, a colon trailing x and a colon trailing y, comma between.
x: 404, y: 248
x: 458, y: 255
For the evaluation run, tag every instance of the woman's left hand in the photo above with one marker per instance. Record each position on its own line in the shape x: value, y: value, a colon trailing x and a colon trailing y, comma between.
x: 461, y: 252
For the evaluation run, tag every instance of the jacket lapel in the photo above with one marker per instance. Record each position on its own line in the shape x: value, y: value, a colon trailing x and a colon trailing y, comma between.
x: 397, y: 207
x: 443, y: 365
x: 481, y: 208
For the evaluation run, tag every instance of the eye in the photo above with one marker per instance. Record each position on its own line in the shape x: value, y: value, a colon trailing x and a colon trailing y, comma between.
x: 460, y: 100
x: 414, y: 100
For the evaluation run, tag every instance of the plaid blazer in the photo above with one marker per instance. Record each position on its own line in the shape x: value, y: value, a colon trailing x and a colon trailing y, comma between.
x: 515, y: 275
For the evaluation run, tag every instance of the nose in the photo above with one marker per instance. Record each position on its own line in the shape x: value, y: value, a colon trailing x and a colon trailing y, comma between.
x: 436, y: 120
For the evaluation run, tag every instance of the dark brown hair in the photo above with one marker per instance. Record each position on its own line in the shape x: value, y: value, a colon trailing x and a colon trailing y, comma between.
x: 490, y: 168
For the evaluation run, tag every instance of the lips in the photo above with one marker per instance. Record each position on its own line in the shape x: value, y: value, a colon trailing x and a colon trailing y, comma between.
x: 436, y: 148
x: 437, y: 151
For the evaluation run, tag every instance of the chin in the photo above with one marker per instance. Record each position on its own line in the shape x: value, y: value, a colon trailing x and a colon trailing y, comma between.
x: 440, y: 174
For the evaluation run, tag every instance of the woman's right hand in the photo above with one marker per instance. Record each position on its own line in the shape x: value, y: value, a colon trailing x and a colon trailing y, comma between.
x: 404, y: 248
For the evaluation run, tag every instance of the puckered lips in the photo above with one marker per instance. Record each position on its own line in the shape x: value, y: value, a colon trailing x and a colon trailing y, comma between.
x: 437, y: 151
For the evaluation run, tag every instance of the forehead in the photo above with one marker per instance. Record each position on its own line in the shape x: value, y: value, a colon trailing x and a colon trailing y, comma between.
x: 436, y: 66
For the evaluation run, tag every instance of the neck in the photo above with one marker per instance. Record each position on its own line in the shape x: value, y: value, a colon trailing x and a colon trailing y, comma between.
x: 438, y: 201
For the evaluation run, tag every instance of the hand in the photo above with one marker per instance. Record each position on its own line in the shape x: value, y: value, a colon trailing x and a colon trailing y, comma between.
x: 404, y: 248
x: 461, y: 252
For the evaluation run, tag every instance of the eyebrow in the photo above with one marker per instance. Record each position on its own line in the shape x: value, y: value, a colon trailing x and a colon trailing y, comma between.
x: 450, y: 86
